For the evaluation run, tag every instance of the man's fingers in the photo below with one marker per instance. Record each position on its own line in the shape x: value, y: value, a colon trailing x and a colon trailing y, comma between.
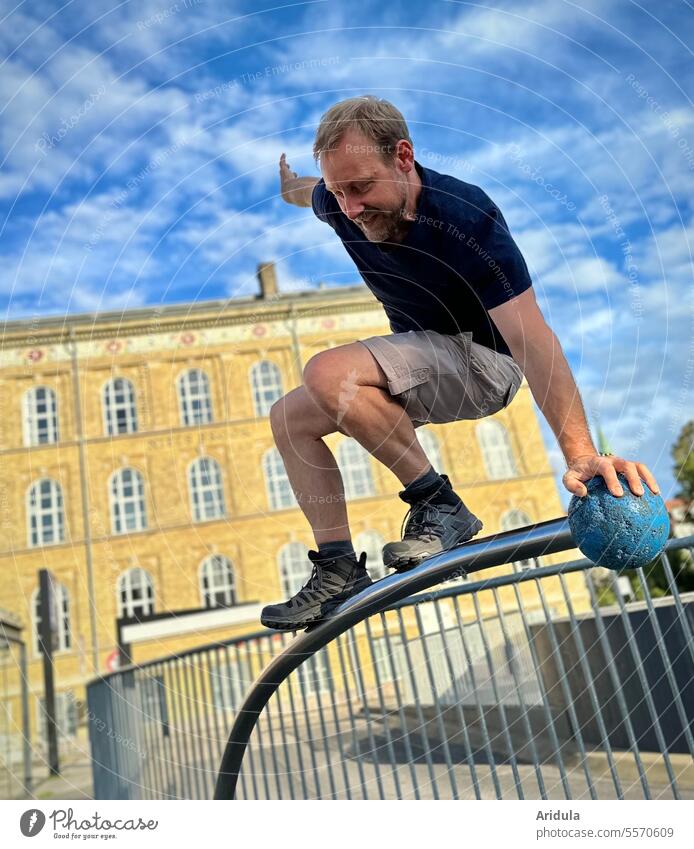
x: 645, y: 473
x: 574, y: 485
x: 631, y: 473
x: 607, y: 471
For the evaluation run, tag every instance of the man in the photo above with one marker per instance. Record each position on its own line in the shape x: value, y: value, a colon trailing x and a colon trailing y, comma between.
x: 437, y: 254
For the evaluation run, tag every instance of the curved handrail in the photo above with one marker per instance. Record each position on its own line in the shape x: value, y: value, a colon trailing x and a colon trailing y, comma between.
x: 519, y: 544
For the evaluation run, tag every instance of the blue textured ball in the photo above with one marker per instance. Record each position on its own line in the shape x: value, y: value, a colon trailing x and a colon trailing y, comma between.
x: 624, y: 532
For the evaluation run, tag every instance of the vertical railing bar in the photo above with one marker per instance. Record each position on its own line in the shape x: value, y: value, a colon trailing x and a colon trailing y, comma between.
x: 314, y: 763
x: 222, y: 662
x: 590, y: 684
x: 277, y: 699
x: 681, y: 615
x: 638, y: 662
x: 159, y: 749
x: 117, y: 722
x: 208, y: 706
x: 258, y: 728
x: 386, y: 723
x: 175, y: 757
x: 401, y: 713
x: 288, y: 685
x: 667, y: 662
x: 350, y: 711
x: 267, y: 718
x: 186, y: 729
x: 321, y: 720
x: 458, y: 701
x: 483, y: 722
x: 195, y: 735
x: 338, y: 735
x: 169, y: 774
x: 437, y: 705
x: 355, y: 658
x: 175, y: 731
x: 251, y: 747
x: 500, y: 705
x: 607, y: 650
x: 563, y: 683
x: 537, y: 665
x: 521, y: 699
x: 189, y: 673
x: 213, y: 669
x: 420, y: 716
x: 158, y: 730
x: 285, y: 743
x: 141, y: 679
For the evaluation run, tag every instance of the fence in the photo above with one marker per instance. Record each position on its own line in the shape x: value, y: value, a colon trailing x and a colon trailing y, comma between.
x: 518, y: 686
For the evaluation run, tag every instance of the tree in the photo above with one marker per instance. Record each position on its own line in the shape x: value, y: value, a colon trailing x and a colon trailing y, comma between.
x: 682, y: 453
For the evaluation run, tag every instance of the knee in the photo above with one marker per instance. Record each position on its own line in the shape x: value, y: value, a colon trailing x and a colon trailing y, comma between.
x: 279, y: 418
x: 324, y: 378
x: 317, y: 373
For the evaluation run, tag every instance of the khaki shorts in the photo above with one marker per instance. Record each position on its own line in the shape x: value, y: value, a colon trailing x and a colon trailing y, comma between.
x: 439, y: 378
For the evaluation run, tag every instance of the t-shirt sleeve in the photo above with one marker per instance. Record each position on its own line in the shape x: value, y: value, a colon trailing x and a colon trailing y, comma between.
x: 324, y: 204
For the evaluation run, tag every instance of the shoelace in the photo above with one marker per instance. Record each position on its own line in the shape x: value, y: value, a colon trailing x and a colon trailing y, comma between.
x: 315, y: 581
x: 420, y: 519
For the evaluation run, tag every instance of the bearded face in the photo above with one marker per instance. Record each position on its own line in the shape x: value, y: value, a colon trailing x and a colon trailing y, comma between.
x: 372, y: 192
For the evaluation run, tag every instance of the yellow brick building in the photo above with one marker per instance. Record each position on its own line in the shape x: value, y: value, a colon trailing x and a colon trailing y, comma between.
x: 138, y: 466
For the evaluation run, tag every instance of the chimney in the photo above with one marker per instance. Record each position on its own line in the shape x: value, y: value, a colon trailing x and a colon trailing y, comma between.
x: 268, y: 280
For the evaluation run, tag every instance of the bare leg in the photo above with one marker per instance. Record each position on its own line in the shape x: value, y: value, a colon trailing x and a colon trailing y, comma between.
x: 351, y: 388
x: 344, y: 385
x: 298, y: 425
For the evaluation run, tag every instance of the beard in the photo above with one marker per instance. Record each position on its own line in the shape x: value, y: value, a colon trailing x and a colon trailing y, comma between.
x: 386, y: 225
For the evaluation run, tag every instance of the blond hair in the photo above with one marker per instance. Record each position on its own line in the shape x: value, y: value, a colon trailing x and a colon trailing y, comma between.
x: 375, y: 118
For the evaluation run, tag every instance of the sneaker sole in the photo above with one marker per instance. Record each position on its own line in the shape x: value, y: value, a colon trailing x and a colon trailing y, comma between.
x: 326, y: 608
x: 406, y: 564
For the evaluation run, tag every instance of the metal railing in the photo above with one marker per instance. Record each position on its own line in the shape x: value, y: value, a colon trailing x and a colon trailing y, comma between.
x: 518, y: 686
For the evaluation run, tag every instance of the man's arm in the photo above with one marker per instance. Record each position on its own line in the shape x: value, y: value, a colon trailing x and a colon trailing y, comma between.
x: 294, y: 189
x: 538, y: 353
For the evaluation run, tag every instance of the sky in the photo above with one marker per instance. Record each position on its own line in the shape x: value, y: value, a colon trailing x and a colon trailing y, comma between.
x: 140, y: 146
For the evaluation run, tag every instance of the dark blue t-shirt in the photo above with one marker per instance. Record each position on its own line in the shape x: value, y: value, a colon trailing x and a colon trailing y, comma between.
x: 457, y: 261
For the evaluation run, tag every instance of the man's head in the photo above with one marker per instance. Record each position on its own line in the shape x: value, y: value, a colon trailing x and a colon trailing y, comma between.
x: 366, y: 157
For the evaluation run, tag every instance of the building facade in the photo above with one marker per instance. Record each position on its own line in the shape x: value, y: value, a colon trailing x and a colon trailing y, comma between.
x: 138, y: 465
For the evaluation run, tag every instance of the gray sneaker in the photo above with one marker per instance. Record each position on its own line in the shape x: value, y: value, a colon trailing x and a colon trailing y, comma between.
x: 332, y: 581
x: 430, y: 528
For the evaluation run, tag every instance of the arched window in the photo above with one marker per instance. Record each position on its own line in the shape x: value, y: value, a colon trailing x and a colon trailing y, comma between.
x: 279, y: 490
x: 62, y: 617
x: 496, y: 450
x: 120, y: 412
x: 46, y: 519
x: 206, y: 490
x: 40, y: 416
x: 355, y: 467
x: 217, y: 586
x: 266, y: 386
x: 135, y: 592
x: 127, y: 493
x: 518, y: 519
x: 430, y: 445
x: 294, y: 567
x: 194, y: 398
x: 372, y: 543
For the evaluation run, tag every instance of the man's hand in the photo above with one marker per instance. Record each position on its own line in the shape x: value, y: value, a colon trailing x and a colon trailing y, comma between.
x: 286, y: 173
x: 587, y: 466
x: 293, y: 188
